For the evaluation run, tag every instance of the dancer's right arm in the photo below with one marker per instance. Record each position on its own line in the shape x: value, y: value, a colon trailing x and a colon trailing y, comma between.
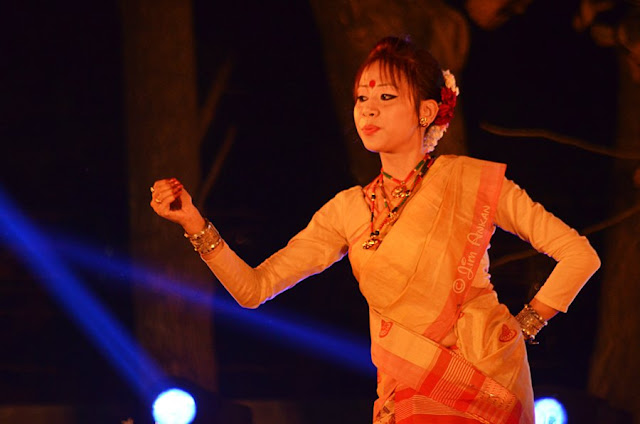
x: 314, y: 249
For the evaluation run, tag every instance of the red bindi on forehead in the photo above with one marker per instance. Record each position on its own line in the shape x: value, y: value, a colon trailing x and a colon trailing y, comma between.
x: 372, y: 83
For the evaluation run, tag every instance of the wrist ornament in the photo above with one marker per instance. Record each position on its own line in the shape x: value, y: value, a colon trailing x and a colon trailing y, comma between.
x: 531, y: 323
x: 206, y: 240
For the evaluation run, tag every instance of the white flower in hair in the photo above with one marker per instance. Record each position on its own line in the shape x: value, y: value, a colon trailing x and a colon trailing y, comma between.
x: 450, y: 82
x: 436, y: 130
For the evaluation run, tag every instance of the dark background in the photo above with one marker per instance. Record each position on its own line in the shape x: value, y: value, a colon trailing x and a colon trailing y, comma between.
x: 65, y: 165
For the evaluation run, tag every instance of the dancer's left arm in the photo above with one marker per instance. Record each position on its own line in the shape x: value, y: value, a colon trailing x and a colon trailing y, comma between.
x: 577, y: 260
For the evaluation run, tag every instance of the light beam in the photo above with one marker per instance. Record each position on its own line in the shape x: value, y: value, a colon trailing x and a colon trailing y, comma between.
x: 41, y: 257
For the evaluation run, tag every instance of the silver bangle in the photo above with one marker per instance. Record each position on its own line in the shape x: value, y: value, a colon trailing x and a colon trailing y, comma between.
x: 206, y: 240
x: 531, y: 323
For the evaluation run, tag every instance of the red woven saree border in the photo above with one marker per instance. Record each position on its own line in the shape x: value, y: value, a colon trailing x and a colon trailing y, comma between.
x: 452, y: 381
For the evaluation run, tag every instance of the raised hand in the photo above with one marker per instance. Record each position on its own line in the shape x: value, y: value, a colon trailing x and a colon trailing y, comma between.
x: 170, y: 200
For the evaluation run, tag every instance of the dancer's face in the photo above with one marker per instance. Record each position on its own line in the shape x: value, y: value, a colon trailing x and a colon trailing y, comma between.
x: 385, y: 114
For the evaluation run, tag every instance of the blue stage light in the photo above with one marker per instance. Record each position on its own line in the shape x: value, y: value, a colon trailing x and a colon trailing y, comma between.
x: 115, y: 342
x: 550, y: 411
x: 330, y: 344
x: 174, y: 406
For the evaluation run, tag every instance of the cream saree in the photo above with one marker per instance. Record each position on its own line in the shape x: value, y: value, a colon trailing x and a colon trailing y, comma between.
x: 424, y: 288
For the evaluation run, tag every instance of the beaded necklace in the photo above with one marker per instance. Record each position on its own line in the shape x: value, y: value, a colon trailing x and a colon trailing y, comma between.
x: 402, y: 192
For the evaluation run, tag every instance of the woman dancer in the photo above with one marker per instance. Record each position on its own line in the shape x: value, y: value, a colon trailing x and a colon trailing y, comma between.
x: 417, y: 237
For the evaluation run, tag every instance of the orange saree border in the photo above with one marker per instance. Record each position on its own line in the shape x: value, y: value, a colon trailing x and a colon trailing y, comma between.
x: 472, y: 247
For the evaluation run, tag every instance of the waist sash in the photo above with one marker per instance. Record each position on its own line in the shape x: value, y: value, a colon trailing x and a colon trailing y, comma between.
x: 428, y: 369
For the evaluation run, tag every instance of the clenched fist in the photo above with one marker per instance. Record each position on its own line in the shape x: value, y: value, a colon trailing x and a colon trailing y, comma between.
x: 170, y: 200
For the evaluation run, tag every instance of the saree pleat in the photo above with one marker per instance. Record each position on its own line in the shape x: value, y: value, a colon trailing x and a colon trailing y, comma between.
x: 423, y: 368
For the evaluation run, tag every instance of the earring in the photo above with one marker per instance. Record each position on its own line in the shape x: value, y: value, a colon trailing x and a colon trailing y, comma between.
x: 423, y: 121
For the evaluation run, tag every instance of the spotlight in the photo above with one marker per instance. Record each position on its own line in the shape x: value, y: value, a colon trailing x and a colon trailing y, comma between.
x: 174, y: 406
x: 550, y: 411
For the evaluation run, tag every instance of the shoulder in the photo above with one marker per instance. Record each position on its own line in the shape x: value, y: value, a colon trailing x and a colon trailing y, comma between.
x: 351, y: 191
x: 345, y: 198
x: 466, y: 166
x: 349, y: 195
x: 475, y: 176
x: 467, y: 161
x: 344, y: 206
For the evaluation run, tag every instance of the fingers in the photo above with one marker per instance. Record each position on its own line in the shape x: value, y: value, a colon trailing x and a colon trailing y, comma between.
x: 171, y: 201
x: 166, y: 198
x: 166, y: 191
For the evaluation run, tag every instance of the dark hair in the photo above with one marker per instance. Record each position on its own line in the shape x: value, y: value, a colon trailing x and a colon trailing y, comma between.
x: 400, y: 56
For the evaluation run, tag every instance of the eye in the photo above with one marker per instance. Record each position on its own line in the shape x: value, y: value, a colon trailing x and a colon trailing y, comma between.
x: 361, y: 98
x: 387, y: 97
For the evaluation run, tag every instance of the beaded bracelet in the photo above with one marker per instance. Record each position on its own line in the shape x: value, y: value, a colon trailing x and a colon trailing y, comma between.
x: 531, y: 323
x: 206, y: 240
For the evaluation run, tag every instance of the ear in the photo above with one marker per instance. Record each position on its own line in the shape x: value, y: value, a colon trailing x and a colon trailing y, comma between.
x: 429, y: 110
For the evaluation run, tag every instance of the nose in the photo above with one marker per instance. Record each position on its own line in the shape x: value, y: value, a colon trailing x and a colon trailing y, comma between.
x: 369, y: 111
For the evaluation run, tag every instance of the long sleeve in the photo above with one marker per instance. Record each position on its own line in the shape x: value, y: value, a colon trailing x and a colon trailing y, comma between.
x: 314, y: 249
x: 577, y: 261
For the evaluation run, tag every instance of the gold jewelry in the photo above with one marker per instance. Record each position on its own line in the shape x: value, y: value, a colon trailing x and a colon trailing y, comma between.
x: 206, y: 240
x: 151, y: 189
x: 531, y: 323
x: 423, y: 121
x: 157, y: 199
x: 376, y: 235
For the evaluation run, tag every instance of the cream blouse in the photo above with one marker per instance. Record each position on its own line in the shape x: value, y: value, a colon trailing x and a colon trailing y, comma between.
x: 340, y: 226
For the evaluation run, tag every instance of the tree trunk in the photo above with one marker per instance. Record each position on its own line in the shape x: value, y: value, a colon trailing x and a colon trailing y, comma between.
x: 614, y: 374
x: 163, y: 141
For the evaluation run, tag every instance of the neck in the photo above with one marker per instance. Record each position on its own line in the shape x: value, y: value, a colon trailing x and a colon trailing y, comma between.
x: 399, y: 165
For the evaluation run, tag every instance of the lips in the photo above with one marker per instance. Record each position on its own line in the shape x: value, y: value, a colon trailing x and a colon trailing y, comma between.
x: 369, y: 129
